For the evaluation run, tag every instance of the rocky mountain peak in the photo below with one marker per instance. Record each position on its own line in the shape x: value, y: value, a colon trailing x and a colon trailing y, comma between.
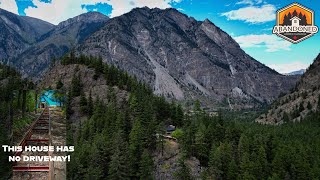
x: 87, y: 17
x: 184, y: 59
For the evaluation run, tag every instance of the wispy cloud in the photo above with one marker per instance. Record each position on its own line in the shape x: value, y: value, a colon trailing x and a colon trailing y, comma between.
x: 250, y: 2
x: 56, y: 11
x: 253, y: 14
x: 272, y: 43
x: 289, y: 67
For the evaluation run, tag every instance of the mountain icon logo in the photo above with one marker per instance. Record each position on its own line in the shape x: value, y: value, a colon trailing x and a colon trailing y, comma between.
x: 295, y: 23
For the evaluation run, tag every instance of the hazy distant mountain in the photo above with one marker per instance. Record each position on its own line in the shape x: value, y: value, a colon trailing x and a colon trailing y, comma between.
x: 299, y: 72
x: 18, y: 33
x: 180, y: 57
x: 185, y: 59
x: 57, y: 42
x: 301, y: 101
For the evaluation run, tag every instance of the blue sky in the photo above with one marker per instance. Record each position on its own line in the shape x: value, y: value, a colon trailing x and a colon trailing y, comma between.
x: 249, y: 22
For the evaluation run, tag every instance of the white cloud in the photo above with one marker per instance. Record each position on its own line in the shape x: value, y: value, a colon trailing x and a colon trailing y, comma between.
x: 272, y: 43
x: 9, y: 5
x: 250, y: 2
x: 60, y: 10
x: 289, y: 67
x: 253, y: 14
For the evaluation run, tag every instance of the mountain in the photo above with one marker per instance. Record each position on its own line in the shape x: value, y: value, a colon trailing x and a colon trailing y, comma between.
x: 185, y: 59
x: 18, y: 33
x: 181, y: 58
x: 55, y: 43
x: 304, y: 99
x: 299, y: 72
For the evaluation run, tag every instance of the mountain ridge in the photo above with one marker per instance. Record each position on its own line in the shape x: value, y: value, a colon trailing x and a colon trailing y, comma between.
x: 300, y: 102
x: 180, y: 57
x: 174, y: 48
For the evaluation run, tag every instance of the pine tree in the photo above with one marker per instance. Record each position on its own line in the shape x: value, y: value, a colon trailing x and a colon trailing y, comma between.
x: 83, y: 103
x: 197, y: 106
x: 135, y: 147
x: 90, y: 105
x: 261, y: 165
x: 179, y: 116
x: 219, y: 161
x: 243, y: 146
x: 301, y: 107
x: 146, y: 166
x: 59, y: 84
x: 183, y: 173
x: 76, y: 86
x: 309, y: 106
x: 286, y: 117
x: 232, y: 170
x: 246, y: 167
x: 201, y: 144
x: 119, y: 163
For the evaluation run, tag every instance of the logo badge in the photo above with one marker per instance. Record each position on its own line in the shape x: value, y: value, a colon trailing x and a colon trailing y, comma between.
x: 295, y: 23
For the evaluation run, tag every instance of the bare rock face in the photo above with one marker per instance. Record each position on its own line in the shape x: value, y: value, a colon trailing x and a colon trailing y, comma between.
x: 296, y: 105
x: 185, y: 59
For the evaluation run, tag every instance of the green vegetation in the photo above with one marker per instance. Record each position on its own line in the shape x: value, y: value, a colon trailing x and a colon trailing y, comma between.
x: 16, y: 99
x: 21, y: 122
x: 233, y: 149
x: 118, y: 139
x: 178, y: 134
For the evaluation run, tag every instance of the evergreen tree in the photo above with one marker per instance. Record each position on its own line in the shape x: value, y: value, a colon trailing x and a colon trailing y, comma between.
x: 246, y: 167
x: 219, y: 161
x: 179, y: 116
x: 90, y: 105
x: 183, y: 173
x: 309, y: 106
x: 119, y: 163
x: 83, y: 103
x: 59, y: 84
x: 232, y: 170
x: 135, y: 147
x: 146, y: 166
x: 286, y: 117
x: 76, y: 86
x: 243, y: 146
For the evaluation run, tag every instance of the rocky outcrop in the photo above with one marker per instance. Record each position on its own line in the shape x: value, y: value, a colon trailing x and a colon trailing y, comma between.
x: 296, y: 105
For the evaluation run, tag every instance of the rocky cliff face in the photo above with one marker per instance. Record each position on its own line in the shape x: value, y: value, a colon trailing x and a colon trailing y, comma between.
x: 185, y: 59
x: 18, y: 33
x: 300, y: 102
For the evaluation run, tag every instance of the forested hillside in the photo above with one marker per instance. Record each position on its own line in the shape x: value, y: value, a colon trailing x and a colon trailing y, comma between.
x: 15, y: 101
x: 119, y: 137
x: 235, y: 148
x: 118, y: 140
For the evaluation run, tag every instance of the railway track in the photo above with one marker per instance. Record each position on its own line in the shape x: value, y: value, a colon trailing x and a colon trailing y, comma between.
x: 39, y: 134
